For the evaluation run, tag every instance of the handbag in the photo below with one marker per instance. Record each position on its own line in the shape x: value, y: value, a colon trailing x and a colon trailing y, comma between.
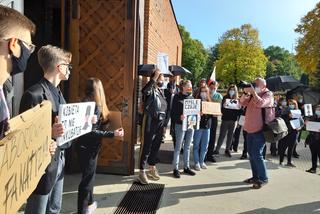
x: 275, y: 130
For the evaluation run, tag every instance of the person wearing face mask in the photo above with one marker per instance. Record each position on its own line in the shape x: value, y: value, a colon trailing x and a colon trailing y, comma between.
x: 182, y: 136
x: 255, y: 99
x: 16, y: 47
x: 289, y: 141
x: 313, y: 140
x: 202, y: 135
x: 215, y: 97
x: 55, y: 63
x: 229, y: 120
x: 155, y: 109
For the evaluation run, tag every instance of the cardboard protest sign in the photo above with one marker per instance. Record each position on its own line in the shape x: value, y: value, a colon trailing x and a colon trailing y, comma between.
x: 308, y: 110
x: 232, y: 104
x: 191, y: 111
x: 24, y: 156
x: 76, y: 120
x: 211, y: 108
x: 295, y: 113
x: 313, y: 126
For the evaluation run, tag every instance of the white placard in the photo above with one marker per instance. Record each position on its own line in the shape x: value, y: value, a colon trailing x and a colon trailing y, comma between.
x: 76, y: 120
x: 313, y: 126
x: 295, y: 113
x: 295, y: 124
x: 308, y: 110
x: 191, y: 111
x: 163, y: 62
x: 242, y: 119
x: 232, y: 104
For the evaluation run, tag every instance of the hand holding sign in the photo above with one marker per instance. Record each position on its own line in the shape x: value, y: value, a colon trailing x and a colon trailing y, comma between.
x: 94, y: 119
x: 57, y: 129
x: 119, y: 132
x: 52, y: 147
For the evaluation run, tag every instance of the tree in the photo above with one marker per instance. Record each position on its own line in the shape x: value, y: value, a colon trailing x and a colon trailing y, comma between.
x: 241, y: 56
x: 213, y: 57
x: 308, y: 47
x: 194, y: 55
x: 281, y: 62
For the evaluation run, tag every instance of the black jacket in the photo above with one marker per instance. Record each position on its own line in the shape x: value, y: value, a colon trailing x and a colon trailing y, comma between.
x: 155, y: 103
x: 229, y: 114
x: 32, y: 97
x: 177, y: 107
x: 92, y: 140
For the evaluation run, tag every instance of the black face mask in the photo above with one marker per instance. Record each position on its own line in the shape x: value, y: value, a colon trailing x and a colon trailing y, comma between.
x: 160, y: 84
x: 19, y: 65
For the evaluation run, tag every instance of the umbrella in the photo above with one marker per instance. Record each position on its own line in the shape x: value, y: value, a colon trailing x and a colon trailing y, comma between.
x: 282, y: 83
x: 309, y: 96
x: 178, y: 70
x: 147, y: 70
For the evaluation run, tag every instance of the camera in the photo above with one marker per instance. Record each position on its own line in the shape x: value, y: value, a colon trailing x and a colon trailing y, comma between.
x: 244, y: 84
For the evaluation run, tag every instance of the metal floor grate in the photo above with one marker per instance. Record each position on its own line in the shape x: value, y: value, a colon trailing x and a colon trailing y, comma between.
x: 141, y: 199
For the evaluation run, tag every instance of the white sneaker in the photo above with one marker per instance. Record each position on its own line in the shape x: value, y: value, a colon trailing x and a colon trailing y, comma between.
x: 197, y: 167
x: 143, y: 179
x: 92, y: 207
x: 204, y: 166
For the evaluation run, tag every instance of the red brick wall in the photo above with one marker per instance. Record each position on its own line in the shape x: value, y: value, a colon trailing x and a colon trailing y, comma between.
x: 161, y: 33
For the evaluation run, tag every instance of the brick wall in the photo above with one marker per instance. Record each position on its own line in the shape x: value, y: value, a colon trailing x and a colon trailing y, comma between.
x: 161, y: 33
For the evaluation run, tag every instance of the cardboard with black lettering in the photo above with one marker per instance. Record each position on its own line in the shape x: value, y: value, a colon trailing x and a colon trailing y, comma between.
x: 211, y: 108
x: 76, y: 119
x: 24, y: 156
x: 191, y: 111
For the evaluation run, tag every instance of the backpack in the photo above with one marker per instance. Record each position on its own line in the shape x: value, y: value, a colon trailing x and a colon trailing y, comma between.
x: 275, y: 130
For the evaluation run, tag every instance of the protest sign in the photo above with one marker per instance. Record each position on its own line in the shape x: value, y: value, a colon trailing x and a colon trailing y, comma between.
x: 76, y: 120
x: 313, y: 126
x: 191, y: 111
x: 211, y: 108
x: 232, y: 104
x: 308, y: 110
x: 296, y: 123
x: 24, y: 156
x: 242, y: 120
x: 295, y: 113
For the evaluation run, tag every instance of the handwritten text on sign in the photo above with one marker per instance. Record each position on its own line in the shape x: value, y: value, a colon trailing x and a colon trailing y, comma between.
x: 76, y: 120
x: 24, y: 156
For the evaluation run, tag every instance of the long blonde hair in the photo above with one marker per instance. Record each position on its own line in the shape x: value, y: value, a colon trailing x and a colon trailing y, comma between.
x: 94, y: 91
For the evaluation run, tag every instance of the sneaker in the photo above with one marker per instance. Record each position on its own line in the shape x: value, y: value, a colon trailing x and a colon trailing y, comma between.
x: 92, y: 207
x: 311, y: 170
x: 189, y: 171
x: 250, y: 181
x: 204, y: 166
x: 227, y: 154
x: 197, y: 167
x: 143, y: 179
x: 176, y: 173
x: 259, y: 184
x: 153, y: 175
x: 211, y: 159
x: 290, y: 165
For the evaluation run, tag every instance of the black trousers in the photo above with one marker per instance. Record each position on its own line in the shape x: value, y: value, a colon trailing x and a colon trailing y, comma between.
x: 288, y: 142
x: 315, y: 153
x: 153, y: 136
x: 236, y: 137
x: 88, y: 164
x: 212, y: 141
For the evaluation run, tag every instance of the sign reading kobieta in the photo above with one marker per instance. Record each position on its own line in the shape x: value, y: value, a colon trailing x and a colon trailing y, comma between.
x: 24, y: 156
x: 191, y: 111
x: 76, y: 119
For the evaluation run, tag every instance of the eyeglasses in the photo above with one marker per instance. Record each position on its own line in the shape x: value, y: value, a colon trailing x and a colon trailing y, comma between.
x: 31, y: 47
x: 66, y: 64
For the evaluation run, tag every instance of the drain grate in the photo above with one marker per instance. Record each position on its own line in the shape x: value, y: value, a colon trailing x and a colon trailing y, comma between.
x: 141, y: 199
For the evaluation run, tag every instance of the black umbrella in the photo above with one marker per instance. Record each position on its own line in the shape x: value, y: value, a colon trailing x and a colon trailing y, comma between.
x: 309, y: 96
x: 178, y: 70
x: 147, y: 70
x: 282, y: 83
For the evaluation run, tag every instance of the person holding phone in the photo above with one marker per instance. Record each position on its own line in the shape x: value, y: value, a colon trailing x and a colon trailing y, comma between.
x: 89, y: 145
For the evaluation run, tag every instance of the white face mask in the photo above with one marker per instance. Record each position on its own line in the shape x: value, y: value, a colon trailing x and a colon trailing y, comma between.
x: 284, y: 104
x: 232, y: 93
x: 258, y: 90
x: 203, y: 95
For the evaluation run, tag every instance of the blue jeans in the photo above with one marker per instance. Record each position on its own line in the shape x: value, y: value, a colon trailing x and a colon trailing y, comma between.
x: 186, y: 137
x: 256, y: 144
x: 200, y: 145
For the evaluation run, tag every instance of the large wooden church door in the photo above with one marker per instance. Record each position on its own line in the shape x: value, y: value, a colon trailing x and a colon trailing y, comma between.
x: 103, y: 46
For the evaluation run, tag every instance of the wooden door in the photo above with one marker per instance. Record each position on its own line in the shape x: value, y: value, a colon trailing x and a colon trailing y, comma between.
x: 103, y: 46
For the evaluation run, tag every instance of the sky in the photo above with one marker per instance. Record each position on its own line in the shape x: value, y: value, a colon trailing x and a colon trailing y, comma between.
x: 207, y: 20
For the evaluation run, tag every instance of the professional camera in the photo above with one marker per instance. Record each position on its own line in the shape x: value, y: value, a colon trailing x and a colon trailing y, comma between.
x: 244, y: 84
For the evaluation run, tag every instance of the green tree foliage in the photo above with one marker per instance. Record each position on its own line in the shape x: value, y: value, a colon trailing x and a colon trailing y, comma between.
x: 194, y: 56
x: 241, y: 56
x: 308, y: 47
x: 281, y: 62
